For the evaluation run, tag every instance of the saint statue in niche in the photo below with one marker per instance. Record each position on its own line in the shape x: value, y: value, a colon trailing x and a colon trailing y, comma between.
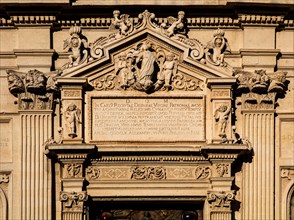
x: 72, y: 115
x: 221, y: 115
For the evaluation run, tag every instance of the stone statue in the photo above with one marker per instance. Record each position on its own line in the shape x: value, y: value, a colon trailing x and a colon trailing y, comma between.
x: 123, y: 67
x: 72, y: 115
x: 145, y: 63
x: 169, y: 69
x: 221, y: 115
x: 174, y: 25
x: 216, y: 47
x: 123, y: 23
x: 77, y: 44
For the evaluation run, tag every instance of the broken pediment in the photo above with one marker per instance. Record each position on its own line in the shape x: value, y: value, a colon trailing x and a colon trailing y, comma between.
x: 146, y: 54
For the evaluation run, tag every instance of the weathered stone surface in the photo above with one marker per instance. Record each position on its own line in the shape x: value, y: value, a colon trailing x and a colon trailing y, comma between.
x: 182, y: 104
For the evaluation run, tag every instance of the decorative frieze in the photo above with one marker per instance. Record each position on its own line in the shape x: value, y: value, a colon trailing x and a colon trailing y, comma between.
x: 148, y: 173
x: 202, y: 172
x: 92, y: 172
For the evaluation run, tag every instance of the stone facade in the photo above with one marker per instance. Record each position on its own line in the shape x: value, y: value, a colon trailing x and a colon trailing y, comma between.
x: 135, y: 110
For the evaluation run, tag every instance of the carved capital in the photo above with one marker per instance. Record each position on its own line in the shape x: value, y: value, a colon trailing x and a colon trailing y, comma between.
x: 220, y: 200
x: 73, y: 201
x: 259, y: 90
x: 34, y: 89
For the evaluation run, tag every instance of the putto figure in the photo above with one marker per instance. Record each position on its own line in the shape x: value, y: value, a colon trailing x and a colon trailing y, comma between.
x: 216, y: 47
x: 77, y: 44
x: 169, y: 69
x: 221, y: 116
x: 72, y: 115
x: 174, y: 25
x: 123, y: 67
x: 123, y: 23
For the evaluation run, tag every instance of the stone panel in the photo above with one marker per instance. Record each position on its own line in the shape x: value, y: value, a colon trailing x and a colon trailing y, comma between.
x: 148, y: 119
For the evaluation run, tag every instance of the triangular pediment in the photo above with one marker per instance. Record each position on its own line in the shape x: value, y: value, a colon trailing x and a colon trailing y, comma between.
x: 118, y: 59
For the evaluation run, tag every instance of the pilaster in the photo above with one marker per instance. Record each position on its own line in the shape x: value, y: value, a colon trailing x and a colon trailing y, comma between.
x: 72, y: 160
x: 35, y: 92
x: 258, y: 93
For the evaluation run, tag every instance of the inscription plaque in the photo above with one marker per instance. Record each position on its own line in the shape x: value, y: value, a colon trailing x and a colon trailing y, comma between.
x: 148, y: 119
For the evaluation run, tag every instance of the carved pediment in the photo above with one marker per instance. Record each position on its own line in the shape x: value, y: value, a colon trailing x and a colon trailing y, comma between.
x: 147, y: 55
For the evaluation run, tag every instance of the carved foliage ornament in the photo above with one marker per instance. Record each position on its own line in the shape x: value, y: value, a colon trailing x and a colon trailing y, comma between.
x: 171, y: 27
x: 34, y: 89
x: 258, y: 89
x: 148, y: 173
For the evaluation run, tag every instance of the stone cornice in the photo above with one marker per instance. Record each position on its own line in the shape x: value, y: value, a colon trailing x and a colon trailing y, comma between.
x: 192, y: 22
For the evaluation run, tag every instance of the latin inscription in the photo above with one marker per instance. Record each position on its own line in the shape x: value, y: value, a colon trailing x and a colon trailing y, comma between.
x: 152, y: 119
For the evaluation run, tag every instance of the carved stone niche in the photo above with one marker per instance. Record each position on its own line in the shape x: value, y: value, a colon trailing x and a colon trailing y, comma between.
x: 72, y: 108
x: 221, y: 109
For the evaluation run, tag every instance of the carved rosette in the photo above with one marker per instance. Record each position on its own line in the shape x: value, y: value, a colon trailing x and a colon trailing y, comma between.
x: 34, y: 89
x: 259, y: 90
x: 73, y: 201
x: 220, y: 201
x: 174, y: 28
